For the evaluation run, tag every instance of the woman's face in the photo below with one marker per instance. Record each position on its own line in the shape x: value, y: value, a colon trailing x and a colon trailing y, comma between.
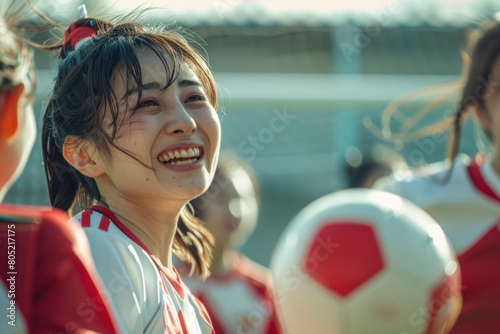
x: 174, y: 133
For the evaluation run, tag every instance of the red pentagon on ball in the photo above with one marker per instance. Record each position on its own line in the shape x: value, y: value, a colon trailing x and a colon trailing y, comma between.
x: 343, y: 256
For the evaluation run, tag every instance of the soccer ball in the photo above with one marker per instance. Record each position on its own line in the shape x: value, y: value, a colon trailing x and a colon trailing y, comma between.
x: 365, y: 262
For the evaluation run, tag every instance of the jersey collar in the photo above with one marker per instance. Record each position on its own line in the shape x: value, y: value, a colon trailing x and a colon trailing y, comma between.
x: 172, y: 275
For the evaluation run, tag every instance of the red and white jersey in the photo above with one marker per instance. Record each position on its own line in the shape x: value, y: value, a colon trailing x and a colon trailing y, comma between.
x: 48, y: 282
x: 467, y: 207
x: 147, y: 297
x: 240, y: 301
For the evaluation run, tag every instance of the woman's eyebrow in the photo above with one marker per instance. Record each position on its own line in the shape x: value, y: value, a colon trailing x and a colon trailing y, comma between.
x: 189, y: 82
x: 156, y: 86
x: 149, y: 86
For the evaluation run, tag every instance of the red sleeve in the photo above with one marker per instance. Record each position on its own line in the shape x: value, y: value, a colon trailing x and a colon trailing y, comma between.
x: 55, y: 264
x: 71, y: 298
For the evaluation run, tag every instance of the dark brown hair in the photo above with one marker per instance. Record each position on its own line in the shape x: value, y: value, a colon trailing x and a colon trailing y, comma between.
x: 83, y: 95
x: 486, y: 52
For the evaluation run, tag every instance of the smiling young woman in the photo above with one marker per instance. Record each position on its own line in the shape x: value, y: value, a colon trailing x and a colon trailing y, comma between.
x: 131, y: 133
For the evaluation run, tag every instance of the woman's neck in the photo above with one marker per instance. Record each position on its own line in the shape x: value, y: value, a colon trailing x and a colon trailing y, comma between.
x: 155, y: 227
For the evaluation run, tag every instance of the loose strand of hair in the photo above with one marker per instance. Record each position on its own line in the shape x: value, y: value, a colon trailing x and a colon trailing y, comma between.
x: 420, y: 114
x: 393, y: 107
x: 432, y: 129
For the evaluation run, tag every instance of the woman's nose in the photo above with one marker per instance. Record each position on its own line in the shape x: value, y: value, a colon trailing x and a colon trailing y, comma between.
x: 180, y: 121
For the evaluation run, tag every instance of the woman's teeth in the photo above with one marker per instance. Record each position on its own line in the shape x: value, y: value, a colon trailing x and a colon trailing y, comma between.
x: 171, y: 157
x: 182, y: 162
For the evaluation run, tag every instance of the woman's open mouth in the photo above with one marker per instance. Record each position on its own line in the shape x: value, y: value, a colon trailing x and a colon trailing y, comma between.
x: 181, y: 157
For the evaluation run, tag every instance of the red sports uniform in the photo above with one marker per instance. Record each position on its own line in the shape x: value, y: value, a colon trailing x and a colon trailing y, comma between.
x: 49, y: 281
x: 467, y: 207
x: 147, y: 297
x: 240, y: 301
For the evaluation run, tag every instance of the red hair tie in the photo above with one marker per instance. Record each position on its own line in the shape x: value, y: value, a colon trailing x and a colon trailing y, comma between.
x: 79, y: 30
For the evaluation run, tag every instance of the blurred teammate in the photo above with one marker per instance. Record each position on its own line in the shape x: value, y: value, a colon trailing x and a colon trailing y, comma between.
x: 131, y: 134
x: 465, y: 198
x: 47, y: 276
x: 238, y: 294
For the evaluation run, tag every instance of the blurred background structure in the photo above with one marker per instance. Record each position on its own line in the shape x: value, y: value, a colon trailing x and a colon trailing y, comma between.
x: 302, y: 82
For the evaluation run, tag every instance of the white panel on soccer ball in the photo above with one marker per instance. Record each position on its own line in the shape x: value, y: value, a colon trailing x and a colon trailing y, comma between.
x: 380, y: 308
x: 415, y: 245
x: 305, y: 309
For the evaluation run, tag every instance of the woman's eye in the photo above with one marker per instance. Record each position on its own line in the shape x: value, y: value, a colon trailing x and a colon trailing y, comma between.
x: 147, y: 103
x: 195, y: 98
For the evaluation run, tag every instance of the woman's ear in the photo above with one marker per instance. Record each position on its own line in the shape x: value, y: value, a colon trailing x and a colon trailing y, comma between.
x: 82, y: 156
x: 10, y: 106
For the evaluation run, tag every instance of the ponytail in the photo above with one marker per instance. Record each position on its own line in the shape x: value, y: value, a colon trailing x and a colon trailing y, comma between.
x: 454, y: 141
x: 455, y: 135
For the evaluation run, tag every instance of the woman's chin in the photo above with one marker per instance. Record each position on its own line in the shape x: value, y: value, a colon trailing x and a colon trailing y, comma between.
x: 199, y: 188
x: 192, y: 192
